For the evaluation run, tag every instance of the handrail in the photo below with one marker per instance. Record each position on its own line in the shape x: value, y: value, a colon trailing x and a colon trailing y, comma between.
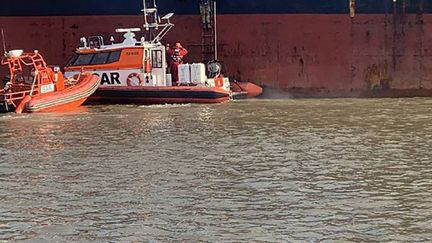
x: 34, y: 82
x: 18, y: 88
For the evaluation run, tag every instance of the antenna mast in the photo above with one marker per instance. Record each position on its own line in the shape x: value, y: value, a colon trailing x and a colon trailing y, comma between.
x: 215, y: 31
x: 4, y: 41
x: 152, y: 22
x: 145, y: 14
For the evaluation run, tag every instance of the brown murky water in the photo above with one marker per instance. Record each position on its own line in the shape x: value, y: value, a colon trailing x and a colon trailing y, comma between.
x: 258, y: 170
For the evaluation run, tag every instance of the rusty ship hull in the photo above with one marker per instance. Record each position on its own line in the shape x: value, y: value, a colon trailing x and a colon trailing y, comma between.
x: 304, y: 48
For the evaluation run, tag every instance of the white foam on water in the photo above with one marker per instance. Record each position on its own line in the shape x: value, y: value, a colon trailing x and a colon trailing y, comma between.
x: 164, y: 106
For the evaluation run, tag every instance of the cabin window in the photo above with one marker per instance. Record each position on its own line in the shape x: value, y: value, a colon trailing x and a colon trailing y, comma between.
x: 114, y: 57
x: 94, y: 58
x: 84, y: 59
x: 72, y: 60
x: 157, y: 59
x: 100, y: 58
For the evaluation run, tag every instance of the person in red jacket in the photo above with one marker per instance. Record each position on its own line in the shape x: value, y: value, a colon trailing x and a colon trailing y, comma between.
x: 176, y: 55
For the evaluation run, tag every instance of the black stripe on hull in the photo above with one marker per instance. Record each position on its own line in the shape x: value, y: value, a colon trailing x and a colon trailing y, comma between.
x: 191, y: 7
x: 157, y: 96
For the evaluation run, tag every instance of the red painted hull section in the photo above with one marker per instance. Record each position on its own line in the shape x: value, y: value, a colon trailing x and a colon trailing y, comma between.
x: 252, y: 90
x: 307, y: 55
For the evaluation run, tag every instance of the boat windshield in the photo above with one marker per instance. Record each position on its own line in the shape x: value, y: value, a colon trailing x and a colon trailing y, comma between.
x: 94, y: 58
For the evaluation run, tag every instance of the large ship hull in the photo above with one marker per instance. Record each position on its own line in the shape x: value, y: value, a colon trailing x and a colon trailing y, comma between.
x: 320, y: 53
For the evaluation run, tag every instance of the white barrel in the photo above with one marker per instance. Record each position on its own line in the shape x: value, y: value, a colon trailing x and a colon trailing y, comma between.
x: 184, y: 73
x: 198, y: 73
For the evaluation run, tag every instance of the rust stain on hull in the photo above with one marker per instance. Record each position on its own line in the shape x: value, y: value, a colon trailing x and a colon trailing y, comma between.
x: 377, y: 77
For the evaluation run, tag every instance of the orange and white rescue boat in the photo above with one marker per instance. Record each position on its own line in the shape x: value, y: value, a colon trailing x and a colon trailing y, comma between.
x: 36, y: 87
x: 137, y: 71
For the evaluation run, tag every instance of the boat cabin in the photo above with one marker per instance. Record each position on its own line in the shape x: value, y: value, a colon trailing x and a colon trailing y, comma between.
x: 131, y: 62
x: 138, y: 63
x: 142, y: 62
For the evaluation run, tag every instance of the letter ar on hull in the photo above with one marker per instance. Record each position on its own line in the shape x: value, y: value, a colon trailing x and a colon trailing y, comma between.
x: 109, y: 78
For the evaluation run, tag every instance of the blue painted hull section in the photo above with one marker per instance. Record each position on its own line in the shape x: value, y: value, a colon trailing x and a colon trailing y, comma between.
x: 190, y: 7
